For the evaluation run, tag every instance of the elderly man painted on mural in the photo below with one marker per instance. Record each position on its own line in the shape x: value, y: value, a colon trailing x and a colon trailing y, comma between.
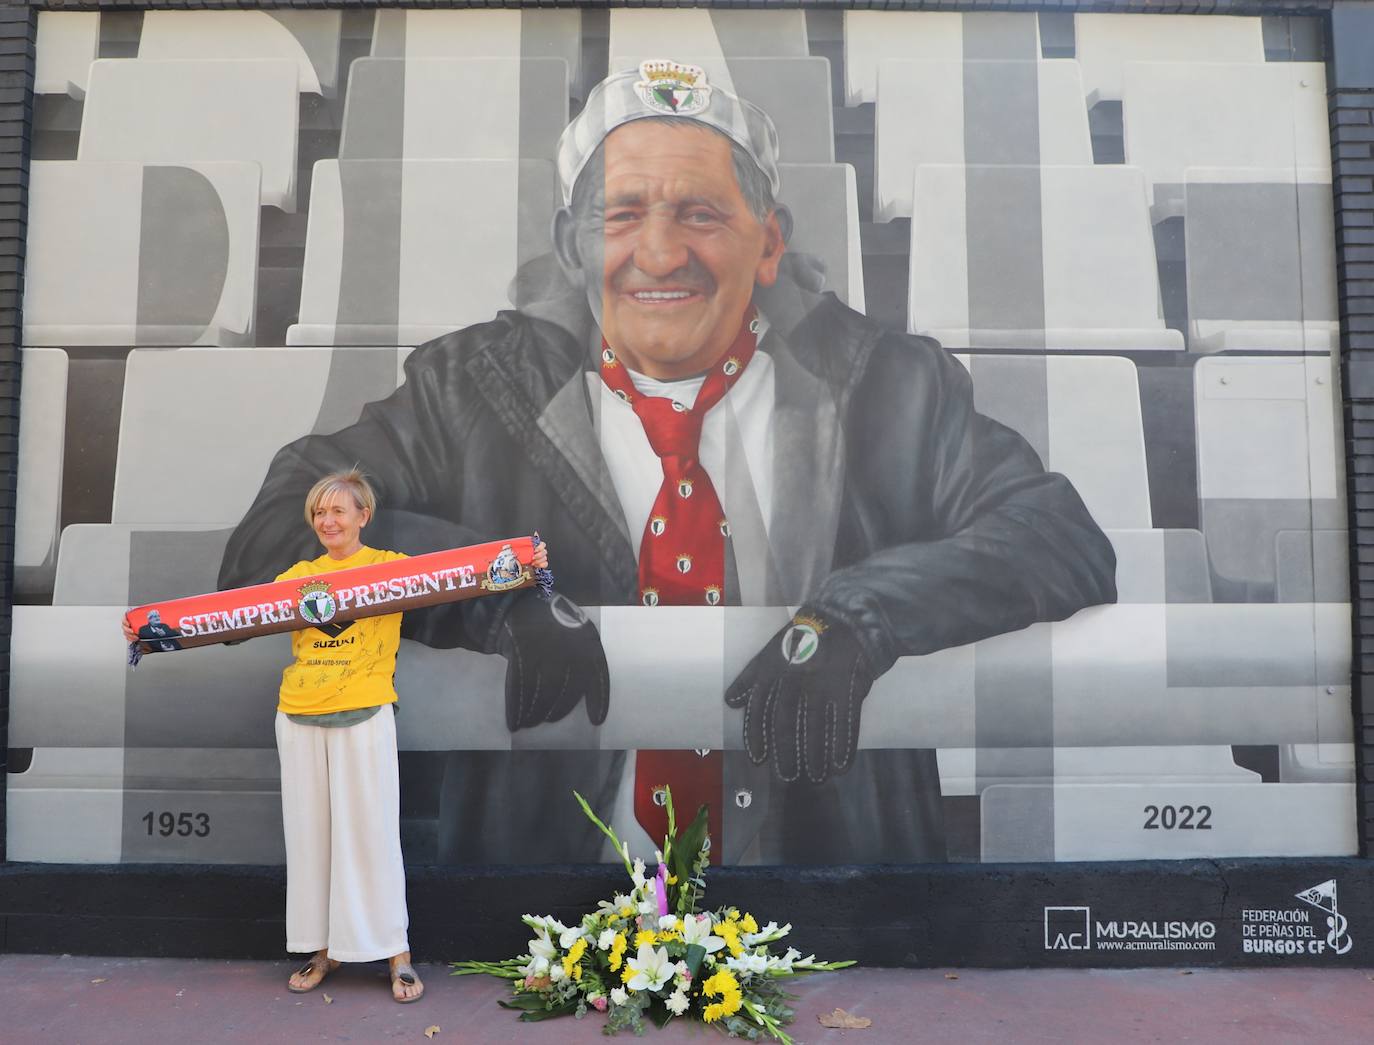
x: 691, y: 422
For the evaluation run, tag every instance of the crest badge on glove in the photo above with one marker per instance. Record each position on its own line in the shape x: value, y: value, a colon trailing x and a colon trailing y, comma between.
x: 801, y: 641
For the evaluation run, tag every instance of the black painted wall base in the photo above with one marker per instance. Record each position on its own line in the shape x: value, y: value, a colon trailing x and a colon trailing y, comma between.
x: 1102, y: 915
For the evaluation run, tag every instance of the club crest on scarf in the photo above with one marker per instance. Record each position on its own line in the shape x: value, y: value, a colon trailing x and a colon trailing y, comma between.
x: 317, y: 606
x: 504, y: 572
x: 689, y: 570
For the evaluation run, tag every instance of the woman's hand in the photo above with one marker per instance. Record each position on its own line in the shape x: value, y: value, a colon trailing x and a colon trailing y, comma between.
x: 541, y: 556
x: 129, y: 634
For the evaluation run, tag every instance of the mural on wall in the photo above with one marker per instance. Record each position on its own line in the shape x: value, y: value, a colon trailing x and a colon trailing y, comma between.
x: 933, y: 418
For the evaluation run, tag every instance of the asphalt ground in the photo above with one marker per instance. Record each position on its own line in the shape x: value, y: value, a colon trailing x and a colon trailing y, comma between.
x: 73, y: 999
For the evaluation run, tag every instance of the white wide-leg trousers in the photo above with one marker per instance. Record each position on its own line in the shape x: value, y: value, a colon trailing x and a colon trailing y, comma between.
x: 341, y: 810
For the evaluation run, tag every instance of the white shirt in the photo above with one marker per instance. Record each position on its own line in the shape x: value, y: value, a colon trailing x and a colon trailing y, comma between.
x: 736, y: 434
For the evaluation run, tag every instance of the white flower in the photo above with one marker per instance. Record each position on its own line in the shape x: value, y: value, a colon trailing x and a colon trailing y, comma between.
x: 667, y: 922
x: 612, y: 906
x: 556, y: 972
x: 604, y: 941
x: 696, y: 929
x: 541, y: 948
x: 748, y: 962
x: 652, y: 969
x: 783, y: 963
x: 618, y: 996
x: 638, y: 873
x: 767, y: 934
x: 571, y: 936
x: 536, y: 967
x: 676, y: 1002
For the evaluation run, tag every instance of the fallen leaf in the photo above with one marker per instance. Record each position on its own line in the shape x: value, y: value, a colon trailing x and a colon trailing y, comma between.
x: 328, y: 1000
x: 432, y: 1030
x: 102, y: 979
x: 181, y: 992
x: 841, y: 1020
x: 1185, y: 972
x: 951, y: 975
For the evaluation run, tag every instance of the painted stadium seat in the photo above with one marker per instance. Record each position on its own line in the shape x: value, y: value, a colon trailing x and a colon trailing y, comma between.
x: 823, y: 199
x: 544, y: 33
x: 403, y: 281
x: 1178, y: 115
x: 1105, y: 43
x: 871, y: 37
x: 1082, y: 416
x: 196, y: 112
x: 794, y: 91
x: 975, y: 112
x: 400, y: 108
x: 1030, y: 258
x: 1259, y: 248
x: 712, y: 36
x: 288, y: 392
x: 309, y: 39
x: 1268, y: 465
x: 134, y: 254
x: 38, y: 494
x: 66, y: 45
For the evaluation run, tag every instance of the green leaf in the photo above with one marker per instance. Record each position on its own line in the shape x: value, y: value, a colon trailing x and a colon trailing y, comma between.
x: 684, y: 856
x: 535, y: 1016
x: 523, y: 1001
x: 659, y: 1013
x: 695, y: 953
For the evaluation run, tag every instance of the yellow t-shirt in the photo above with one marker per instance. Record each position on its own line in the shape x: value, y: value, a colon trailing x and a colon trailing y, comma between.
x: 350, y: 670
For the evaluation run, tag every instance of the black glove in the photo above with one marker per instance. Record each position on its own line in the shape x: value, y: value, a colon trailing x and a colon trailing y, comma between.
x: 801, y: 697
x: 553, y: 659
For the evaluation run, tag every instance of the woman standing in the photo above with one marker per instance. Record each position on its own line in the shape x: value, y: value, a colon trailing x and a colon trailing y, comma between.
x: 336, y: 739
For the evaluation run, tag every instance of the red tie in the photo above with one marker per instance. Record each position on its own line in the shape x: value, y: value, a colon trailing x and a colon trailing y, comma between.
x: 681, y: 563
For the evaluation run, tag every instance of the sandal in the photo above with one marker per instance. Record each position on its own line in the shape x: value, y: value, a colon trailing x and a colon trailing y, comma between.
x: 405, y: 975
x: 317, y: 963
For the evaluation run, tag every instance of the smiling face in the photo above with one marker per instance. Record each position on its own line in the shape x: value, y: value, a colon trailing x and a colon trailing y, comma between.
x: 338, y: 522
x: 679, y: 249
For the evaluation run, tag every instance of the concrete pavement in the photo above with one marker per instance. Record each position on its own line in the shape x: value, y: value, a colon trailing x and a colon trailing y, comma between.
x: 73, y: 999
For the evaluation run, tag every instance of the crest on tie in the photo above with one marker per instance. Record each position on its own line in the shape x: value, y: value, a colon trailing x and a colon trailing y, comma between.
x: 684, y: 563
x: 684, y: 488
x: 712, y: 595
x: 649, y: 596
x: 657, y: 525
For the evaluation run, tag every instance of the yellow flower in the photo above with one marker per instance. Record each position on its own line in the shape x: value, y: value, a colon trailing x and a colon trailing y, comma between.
x: 729, y: 932
x: 574, y: 955
x: 749, y: 925
x: 713, y: 1012
x: 627, y: 974
x: 722, y: 983
x: 626, y: 911
x: 672, y: 879
x: 617, y: 951
x: 645, y: 937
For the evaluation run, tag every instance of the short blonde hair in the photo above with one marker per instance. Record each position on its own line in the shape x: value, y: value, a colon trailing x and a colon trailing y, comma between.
x: 353, y: 481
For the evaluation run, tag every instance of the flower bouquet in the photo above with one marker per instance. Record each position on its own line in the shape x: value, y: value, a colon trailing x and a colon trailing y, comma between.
x: 650, y: 952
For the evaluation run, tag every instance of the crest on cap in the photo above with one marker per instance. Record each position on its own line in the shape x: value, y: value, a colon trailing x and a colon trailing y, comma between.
x: 673, y: 88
